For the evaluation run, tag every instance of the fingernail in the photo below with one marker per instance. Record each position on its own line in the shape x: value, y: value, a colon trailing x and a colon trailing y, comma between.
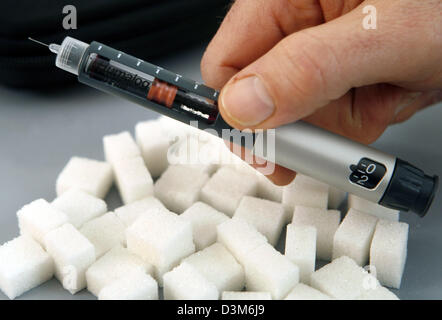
x: 247, y: 101
x: 407, y: 100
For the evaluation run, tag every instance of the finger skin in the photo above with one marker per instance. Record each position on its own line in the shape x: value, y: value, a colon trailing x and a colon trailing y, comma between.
x: 250, y: 29
x: 310, y: 68
x: 426, y: 100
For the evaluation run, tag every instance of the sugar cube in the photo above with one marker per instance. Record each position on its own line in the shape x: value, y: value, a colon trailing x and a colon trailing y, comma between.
x: 375, y: 209
x: 246, y: 295
x: 268, y: 270
x: 238, y: 164
x: 380, y: 293
x: 79, y: 206
x: 268, y: 190
x: 195, y: 151
x: 130, y: 212
x: 38, y: 218
x: 226, y: 188
x: 134, y: 286
x: 179, y: 187
x: 154, y: 145
x: 343, y: 279
x: 92, y: 176
x: 114, y: 265
x: 161, y: 238
x: 354, y: 235
x: 304, y: 292
x: 186, y: 283
x: 159, y: 272
x: 218, y: 266
x: 388, y: 251
x: 266, y: 216
x: 72, y: 253
x: 23, y: 265
x: 326, y: 223
x: 300, y: 248
x: 239, y: 237
x: 204, y: 220
x: 305, y: 191
x: 133, y: 179
x: 104, y: 232
x: 174, y: 130
x: 335, y: 197
x: 120, y: 146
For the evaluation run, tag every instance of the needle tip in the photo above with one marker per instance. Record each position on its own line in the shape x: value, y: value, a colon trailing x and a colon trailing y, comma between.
x: 39, y: 42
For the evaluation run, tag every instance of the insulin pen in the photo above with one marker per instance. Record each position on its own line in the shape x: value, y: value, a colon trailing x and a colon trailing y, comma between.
x: 330, y: 158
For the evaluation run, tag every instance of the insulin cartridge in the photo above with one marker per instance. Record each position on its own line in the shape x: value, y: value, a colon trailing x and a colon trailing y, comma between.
x: 330, y: 158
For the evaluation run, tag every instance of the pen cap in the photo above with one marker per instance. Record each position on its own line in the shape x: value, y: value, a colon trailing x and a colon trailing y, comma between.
x: 69, y: 54
x: 410, y: 189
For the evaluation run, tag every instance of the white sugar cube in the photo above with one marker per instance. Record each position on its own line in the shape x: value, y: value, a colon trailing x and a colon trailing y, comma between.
x: 92, y: 176
x: 196, y: 151
x: 179, y: 187
x: 130, y: 212
x: 239, y: 237
x: 38, y: 218
x: 226, y: 188
x: 343, y: 279
x: 246, y: 295
x: 154, y: 145
x: 300, y: 248
x: 133, y: 179
x: 266, y: 216
x: 186, y: 283
x: 353, y: 237
x: 388, y: 252
x: 204, y: 220
x: 161, y: 238
x: 159, y: 272
x: 380, y: 293
x: 305, y: 191
x: 304, y: 292
x: 326, y: 223
x: 120, y: 146
x: 268, y: 270
x: 23, y: 265
x: 375, y: 209
x: 175, y: 130
x: 218, y: 266
x: 114, y: 265
x: 335, y: 197
x: 134, y: 286
x: 104, y: 232
x: 72, y: 253
x: 79, y: 206
x: 268, y: 190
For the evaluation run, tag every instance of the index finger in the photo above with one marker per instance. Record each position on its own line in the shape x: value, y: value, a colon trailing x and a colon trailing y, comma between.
x: 250, y: 29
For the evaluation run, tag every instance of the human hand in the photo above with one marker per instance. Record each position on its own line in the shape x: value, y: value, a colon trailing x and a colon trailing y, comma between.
x: 287, y: 60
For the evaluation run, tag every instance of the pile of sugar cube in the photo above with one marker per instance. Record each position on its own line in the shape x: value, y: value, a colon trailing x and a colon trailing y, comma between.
x: 200, y: 229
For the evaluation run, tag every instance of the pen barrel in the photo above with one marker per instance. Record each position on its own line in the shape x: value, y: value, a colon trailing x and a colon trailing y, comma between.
x: 329, y: 158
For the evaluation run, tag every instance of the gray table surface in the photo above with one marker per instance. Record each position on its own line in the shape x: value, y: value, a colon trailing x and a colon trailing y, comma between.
x: 39, y: 133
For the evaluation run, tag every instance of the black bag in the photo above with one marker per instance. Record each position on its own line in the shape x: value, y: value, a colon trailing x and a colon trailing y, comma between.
x: 143, y: 28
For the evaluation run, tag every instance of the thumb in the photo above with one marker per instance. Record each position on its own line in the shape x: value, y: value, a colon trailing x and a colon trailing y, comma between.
x: 310, y: 68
